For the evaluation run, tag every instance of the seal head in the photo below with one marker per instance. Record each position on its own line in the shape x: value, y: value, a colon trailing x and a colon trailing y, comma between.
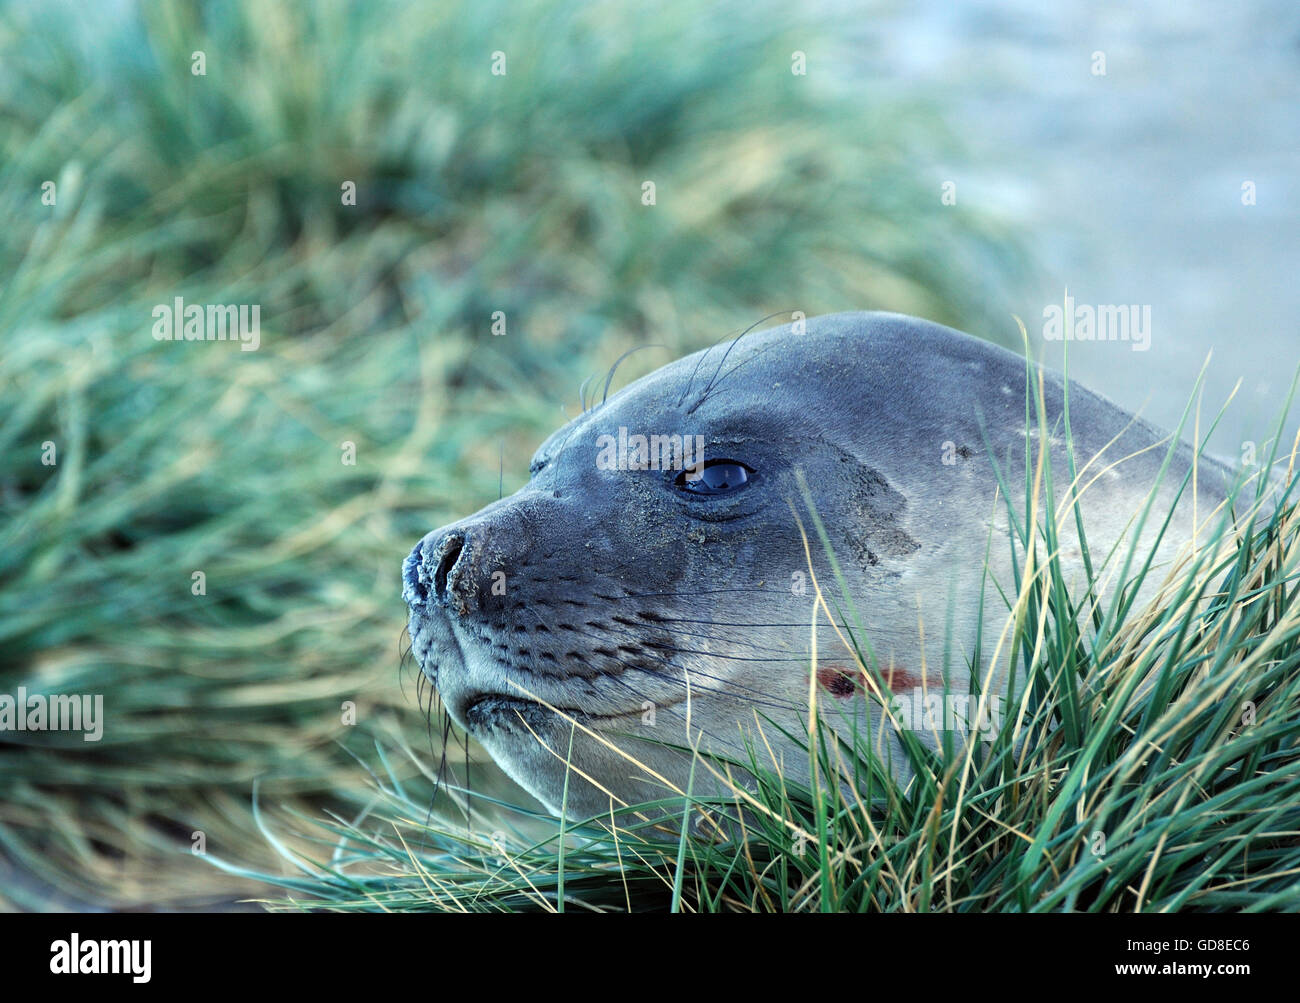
x: 651, y: 589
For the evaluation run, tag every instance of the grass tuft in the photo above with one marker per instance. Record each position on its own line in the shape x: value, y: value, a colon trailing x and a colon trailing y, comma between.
x: 1150, y: 761
x: 475, y: 194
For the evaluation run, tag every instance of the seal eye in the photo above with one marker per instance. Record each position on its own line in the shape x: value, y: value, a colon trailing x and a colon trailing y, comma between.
x: 718, y: 477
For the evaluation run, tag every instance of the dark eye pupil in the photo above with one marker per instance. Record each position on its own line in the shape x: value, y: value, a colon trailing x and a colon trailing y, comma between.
x: 722, y: 476
x: 718, y: 477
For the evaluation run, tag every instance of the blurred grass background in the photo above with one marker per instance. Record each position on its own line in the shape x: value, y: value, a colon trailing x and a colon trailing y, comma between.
x: 475, y: 193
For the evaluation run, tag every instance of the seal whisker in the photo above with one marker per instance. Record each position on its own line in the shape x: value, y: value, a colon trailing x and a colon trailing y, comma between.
x: 610, y: 378
x: 734, y: 689
x: 698, y: 362
x: 731, y: 623
x: 712, y: 388
x: 705, y: 354
x: 582, y: 393
x: 631, y: 632
x: 764, y: 701
x: 653, y: 656
x: 565, y: 441
x: 697, y: 592
x: 721, y: 362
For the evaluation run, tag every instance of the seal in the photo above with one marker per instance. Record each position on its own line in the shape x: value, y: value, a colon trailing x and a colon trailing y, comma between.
x: 653, y: 588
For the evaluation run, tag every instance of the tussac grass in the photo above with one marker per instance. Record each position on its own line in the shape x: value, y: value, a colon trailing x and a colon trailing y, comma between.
x: 475, y: 194
x: 1151, y: 763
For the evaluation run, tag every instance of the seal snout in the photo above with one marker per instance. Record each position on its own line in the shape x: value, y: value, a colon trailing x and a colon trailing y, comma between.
x: 413, y: 590
x: 434, y: 572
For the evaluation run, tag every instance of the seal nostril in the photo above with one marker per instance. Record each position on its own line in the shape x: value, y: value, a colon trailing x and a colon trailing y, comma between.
x: 450, y: 555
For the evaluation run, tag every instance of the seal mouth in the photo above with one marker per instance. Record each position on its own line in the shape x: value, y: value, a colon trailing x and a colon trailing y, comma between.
x: 495, y: 710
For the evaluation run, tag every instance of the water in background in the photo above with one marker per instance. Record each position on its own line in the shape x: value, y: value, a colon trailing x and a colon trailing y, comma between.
x: 1128, y: 186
